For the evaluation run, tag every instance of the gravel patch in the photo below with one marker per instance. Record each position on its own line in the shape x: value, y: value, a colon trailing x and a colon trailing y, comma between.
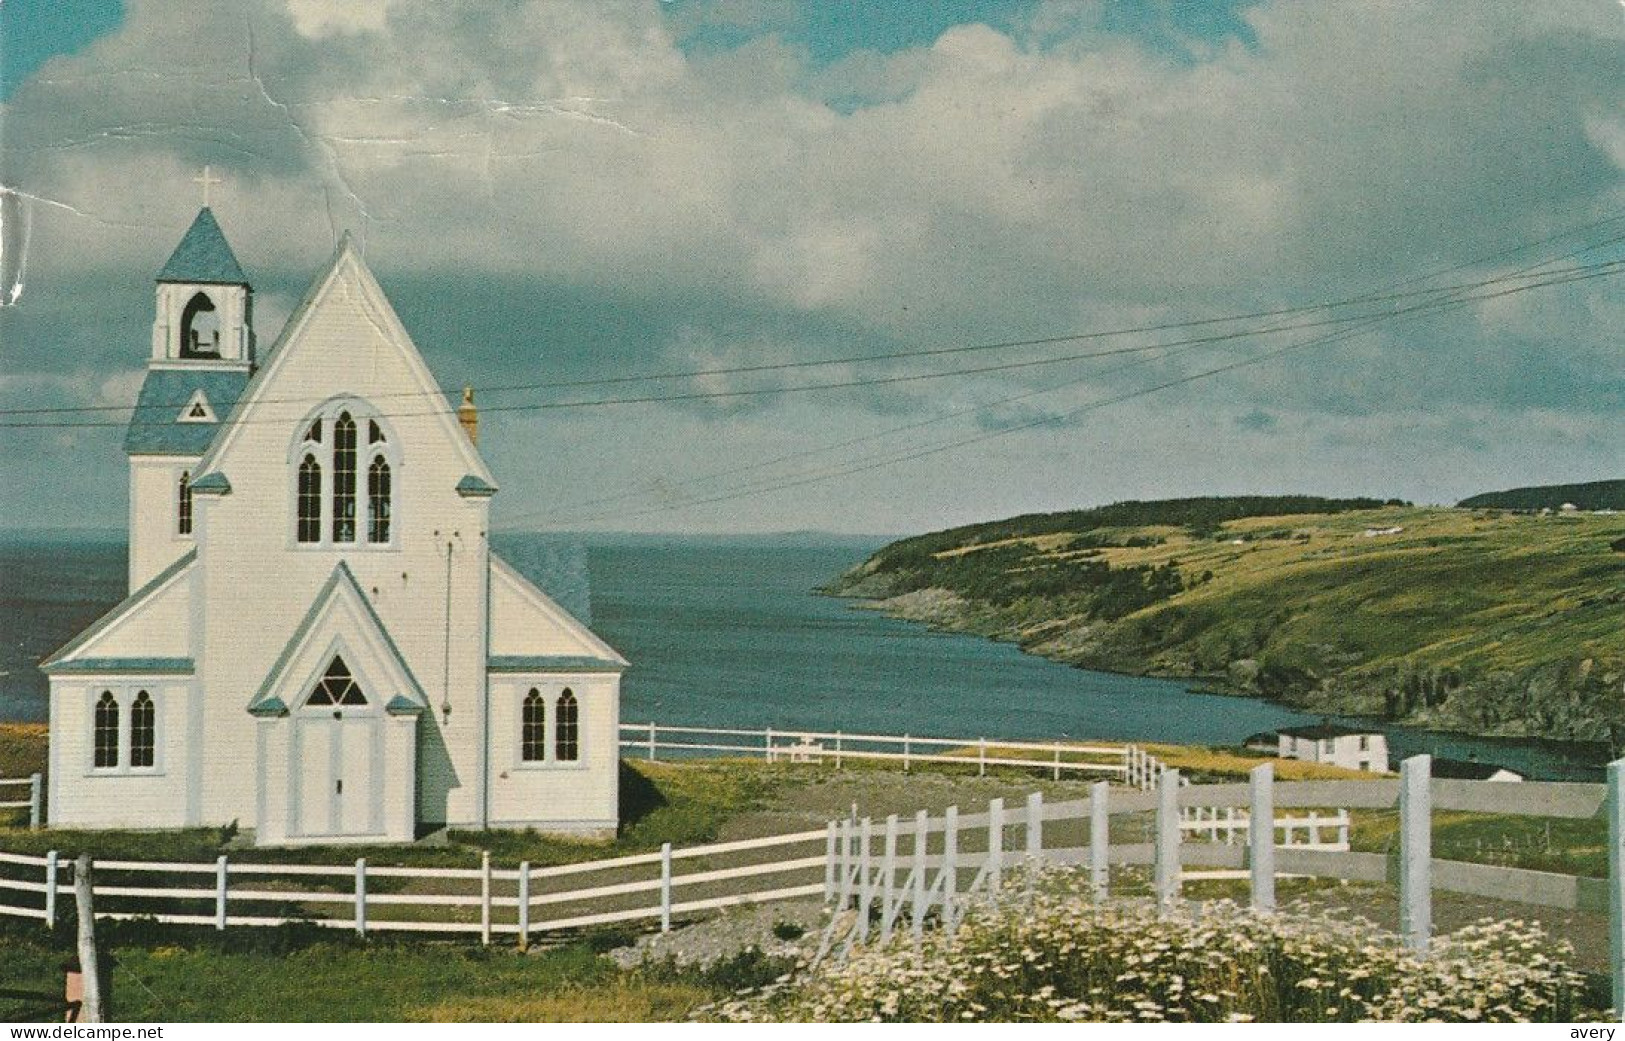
x: 704, y: 942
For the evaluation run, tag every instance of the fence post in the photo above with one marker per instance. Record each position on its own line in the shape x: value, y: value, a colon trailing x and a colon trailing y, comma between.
x: 665, y: 887
x: 1261, y: 837
x: 1167, y: 848
x: 1343, y: 828
x: 485, y: 897
x: 524, y: 905
x: 1099, y: 837
x: 91, y: 1008
x: 50, y: 889
x: 922, y: 823
x: 995, y: 846
x: 837, y: 749
x: 1616, y: 879
x: 981, y: 757
x: 905, y: 753
x: 1057, y: 774
x: 1035, y: 836
x: 361, y: 896
x: 888, y: 866
x: 845, y: 864
x: 651, y: 741
x: 36, y: 800
x: 220, y: 893
x: 767, y: 743
x: 950, y: 867
x: 829, y: 862
x: 865, y: 883
x: 1416, y: 851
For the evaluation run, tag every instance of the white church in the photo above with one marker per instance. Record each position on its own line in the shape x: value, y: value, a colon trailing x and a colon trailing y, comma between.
x: 319, y: 644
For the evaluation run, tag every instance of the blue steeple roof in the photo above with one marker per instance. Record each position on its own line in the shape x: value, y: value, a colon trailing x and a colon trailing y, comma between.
x: 203, y: 255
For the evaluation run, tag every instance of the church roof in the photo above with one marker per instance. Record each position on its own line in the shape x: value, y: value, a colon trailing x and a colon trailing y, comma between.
x: 203, y: 255
x: 156, y: 427
x: 58, y: 661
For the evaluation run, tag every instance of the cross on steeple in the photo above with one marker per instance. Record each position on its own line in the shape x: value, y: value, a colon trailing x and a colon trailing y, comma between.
x: 205, y: 180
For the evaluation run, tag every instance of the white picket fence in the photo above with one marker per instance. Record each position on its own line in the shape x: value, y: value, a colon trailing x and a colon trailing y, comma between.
x: 31, y: 802
x: 653, y: 741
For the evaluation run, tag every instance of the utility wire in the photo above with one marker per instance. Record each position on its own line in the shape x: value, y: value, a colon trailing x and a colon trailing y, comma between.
x: 1558, y: 277
x: 1367, y: 298
x: 818, y: 477
x: 646, y: 491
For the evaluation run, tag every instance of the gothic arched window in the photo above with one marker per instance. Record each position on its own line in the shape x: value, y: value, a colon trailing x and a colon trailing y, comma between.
x: 378, y: 499
x: 200, y: 328
x: 533, y: 728
x: 566, y: 728
x: 106, y: 730
x: 183, y: 506
x: 344, y: 478
x: 310, y: 500
x: 342, y: 512
x: 143, y: 730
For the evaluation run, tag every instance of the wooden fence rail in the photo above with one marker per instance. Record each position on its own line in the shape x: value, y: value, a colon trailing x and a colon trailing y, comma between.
x: 32, y: 802
x: 652, y: 740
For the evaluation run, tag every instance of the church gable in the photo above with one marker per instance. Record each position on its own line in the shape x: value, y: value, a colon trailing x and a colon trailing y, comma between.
x: 528, y: 626
x: 341, y: 626
x: 345, y: 339
x: 150, y: 630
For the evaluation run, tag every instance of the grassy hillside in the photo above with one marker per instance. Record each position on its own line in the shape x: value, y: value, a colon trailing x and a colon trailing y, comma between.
x: 1593, y: 495
x: 1480, y: 621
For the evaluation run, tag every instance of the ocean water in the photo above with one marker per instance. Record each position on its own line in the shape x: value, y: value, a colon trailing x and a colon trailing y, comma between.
x: 727, y: 632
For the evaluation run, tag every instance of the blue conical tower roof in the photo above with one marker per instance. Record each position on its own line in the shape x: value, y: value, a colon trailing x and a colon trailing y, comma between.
x: 203, y: 255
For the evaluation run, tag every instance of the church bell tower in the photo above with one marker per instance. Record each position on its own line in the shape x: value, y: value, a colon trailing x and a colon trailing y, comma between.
x: 204, y: 315
x: 201, y: 359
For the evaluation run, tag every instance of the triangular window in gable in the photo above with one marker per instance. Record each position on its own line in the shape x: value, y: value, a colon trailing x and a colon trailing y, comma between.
x: 336, y: 687
x: 197, y: 410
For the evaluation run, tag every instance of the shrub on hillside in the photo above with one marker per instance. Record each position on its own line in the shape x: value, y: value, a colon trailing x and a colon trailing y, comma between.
x: 1057, y: 957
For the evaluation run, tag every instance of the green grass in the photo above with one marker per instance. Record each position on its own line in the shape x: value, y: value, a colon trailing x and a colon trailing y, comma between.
x: 332, y: 979
x: 1562, y: 845
x: 1479, y: 621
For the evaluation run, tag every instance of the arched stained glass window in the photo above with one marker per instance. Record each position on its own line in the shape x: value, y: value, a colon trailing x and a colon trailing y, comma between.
x: 143, y: 730
x: 567, y: 731
x: 310, y: 500
x: 378, y: 501
x: 106, y: 730
x: 533, y: 728
x: 344, y: 436
x: 336, y: 687
x: 183, y: 522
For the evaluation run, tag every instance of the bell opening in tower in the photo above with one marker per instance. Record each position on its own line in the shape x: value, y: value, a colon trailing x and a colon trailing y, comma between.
x: 200, y: 328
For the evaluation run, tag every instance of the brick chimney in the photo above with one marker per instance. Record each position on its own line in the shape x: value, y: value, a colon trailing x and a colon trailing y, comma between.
x: 469, y: 416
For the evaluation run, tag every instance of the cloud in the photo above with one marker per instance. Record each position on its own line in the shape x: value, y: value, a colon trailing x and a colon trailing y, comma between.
x: 576, y: 188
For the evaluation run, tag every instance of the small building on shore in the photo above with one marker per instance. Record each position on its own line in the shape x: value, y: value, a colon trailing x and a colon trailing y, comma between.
x: 1335, y: 745
x: 1471, y: 769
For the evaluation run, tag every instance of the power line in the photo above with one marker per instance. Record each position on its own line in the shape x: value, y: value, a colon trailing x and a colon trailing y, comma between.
x: 1574, y: 274
x: 714, y: 475
x: 815, y: 477
x: 1047, y: 341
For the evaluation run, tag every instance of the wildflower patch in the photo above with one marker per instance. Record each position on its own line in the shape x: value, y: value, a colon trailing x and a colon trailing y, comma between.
x: 1058, y: 956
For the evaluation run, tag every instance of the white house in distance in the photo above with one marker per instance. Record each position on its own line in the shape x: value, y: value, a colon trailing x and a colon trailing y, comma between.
x: 319, y: 644
x: 1338, y: 746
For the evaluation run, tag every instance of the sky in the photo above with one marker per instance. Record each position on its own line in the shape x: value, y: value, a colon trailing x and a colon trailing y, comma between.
x: 560, y: 193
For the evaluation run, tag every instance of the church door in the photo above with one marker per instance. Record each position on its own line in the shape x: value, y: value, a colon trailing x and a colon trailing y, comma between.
x: 338, y: 759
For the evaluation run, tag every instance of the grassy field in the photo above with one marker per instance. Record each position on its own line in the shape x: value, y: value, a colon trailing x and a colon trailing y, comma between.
x: 1474, y: 620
